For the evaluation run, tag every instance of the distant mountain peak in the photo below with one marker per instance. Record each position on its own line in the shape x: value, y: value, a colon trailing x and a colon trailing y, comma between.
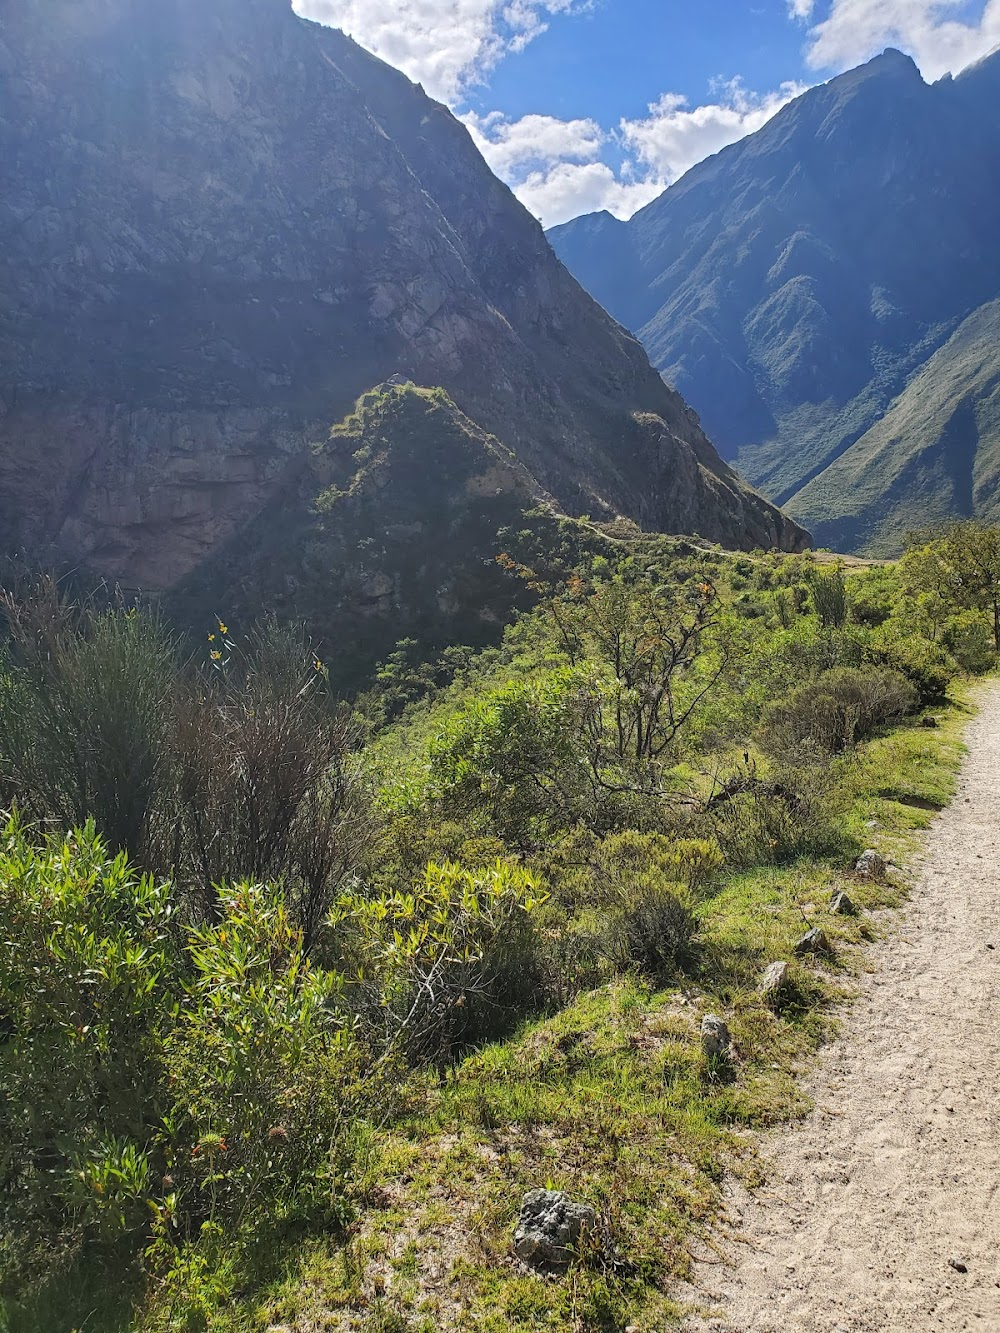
x: 794, y: 285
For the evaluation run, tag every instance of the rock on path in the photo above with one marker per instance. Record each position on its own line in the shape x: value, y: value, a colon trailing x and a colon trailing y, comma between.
x: 897, y: 1171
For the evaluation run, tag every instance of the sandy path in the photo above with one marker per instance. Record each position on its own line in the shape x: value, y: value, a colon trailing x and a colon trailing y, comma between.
x: 898, y: 1169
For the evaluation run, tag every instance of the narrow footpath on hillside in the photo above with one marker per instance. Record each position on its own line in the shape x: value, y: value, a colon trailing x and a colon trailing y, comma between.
x: 881, y: 1210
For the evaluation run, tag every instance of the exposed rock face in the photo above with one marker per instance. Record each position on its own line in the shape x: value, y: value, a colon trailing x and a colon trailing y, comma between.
x: 784, y: 287
x: 221, y: 225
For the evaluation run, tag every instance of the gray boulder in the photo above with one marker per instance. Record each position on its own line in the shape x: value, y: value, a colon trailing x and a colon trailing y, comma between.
x: 813, y: 941
x: 871, y: 864
x: 550, y: 1228
x: 715, y: 1039
x: 774, y: 981
x: 842, y: 905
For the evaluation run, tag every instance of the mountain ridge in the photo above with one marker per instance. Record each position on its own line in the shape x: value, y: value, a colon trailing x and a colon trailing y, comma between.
x: 792, y: 285
x: 223, y: 226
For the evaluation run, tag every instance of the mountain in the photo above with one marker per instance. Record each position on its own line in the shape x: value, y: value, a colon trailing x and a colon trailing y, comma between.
x: 223, y: 225
x: 804, y: 283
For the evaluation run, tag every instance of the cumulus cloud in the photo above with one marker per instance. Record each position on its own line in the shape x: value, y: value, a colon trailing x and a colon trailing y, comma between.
x: 560, y: 168
x: 673, y: 138
x: 929, y: 30
x: 444, y: 44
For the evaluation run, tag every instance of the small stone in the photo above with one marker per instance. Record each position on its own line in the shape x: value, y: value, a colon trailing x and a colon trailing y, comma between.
x: 550, y: 1228
x: 715, y: 1040
x: 871, y: 864
x: 774, y: 981
x: 813, y: 941
x: 930, y: 722
x: 841, y: 905
x: 959, y: 1265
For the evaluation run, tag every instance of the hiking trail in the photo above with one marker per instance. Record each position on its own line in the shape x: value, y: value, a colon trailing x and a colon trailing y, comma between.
x: 896, y: 1172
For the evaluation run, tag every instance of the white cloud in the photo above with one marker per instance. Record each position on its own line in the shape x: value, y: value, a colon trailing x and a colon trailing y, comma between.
x: 939, y: 42
x: 560, y: 168
x: 801, y: 9
x: 534, y: 141
x: 565, y: 190
x: 673, y: 138
x: 444, y: 44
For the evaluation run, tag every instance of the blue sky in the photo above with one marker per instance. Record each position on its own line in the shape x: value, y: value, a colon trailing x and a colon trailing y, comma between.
x: 588, y: 104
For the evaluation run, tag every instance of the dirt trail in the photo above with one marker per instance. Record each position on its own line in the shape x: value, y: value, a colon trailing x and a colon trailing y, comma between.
x: 897, y: 1171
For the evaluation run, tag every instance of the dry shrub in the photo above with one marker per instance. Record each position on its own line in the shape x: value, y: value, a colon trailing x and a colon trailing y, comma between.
x: 841, y: 708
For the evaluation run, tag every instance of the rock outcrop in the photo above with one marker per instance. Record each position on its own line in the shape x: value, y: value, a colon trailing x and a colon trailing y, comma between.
x: 221, y: 225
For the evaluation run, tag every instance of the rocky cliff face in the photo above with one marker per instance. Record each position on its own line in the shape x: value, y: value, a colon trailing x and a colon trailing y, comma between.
x: 221, y: 225
x: 794, y: 285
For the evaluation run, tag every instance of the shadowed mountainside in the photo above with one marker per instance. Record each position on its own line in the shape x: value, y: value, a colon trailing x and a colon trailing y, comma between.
x: 222, y: 225
x: 796, y: 284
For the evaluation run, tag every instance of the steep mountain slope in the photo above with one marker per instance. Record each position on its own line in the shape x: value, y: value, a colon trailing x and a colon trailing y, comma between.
x: 933, y: 456
x: 793, y: 284
x: 222, y: 225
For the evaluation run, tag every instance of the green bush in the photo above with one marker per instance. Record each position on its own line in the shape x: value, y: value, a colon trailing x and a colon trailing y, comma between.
x: 925, y: 665
x: 262, y: 1064
x: 829, y: 598
x: 968, y: 636
x: 836, y: 711
x: 654, y: 932
x: 446, y: 965
x: 90, y: 973
x: 85, y: 701
x: 514, y: 761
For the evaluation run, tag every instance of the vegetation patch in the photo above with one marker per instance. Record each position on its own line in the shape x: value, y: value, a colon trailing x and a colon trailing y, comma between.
x: 289, y: 1027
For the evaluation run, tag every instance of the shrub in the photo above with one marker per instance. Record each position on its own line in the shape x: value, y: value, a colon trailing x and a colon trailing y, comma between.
x: 924, y: 664
x: 795, y: 812
x: 968, y: 636
x: 839, y: 709
x: 515, y: 759
x: 266, y: 785
x: 829, y: 597
x: 261, y: 1065
x: 89, y: 974
x: 84, y: 715
x: 446, y: 965
x: 654, y: 932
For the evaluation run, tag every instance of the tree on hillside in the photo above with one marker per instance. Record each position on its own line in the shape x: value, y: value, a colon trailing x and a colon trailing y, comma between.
x: 959, y: 566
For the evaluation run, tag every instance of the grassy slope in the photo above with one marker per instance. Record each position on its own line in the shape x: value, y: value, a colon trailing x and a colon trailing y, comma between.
x: 612, y: 1100
x: 934, y: 455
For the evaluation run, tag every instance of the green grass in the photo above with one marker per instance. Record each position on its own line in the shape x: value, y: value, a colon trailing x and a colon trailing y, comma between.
x: 613, y: 1101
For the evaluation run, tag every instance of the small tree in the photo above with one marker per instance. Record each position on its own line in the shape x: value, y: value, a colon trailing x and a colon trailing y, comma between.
x: 829, y: 595
x: 958, y: 568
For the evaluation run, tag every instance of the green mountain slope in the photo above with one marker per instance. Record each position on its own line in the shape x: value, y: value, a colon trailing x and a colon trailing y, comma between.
x: 934, y: 455
x: 793, y: 285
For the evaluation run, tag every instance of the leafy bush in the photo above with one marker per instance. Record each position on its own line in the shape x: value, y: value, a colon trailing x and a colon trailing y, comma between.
x: 89, y: 974
x: 515, y: 759
x: 829, y: 597
x: 794, y: 812
x: 841, y: 708
x: 968, y: 636
x: 447, y: 964
x: 261, y: 1065
x: 924, y: 664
